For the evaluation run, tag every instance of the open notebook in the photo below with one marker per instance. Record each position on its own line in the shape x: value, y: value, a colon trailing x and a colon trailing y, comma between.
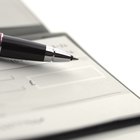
x: 44, y: 99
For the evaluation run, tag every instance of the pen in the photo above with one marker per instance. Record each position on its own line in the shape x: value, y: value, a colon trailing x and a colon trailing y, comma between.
x: 17, y: 48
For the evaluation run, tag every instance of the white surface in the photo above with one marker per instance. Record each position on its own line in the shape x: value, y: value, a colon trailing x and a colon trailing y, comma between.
x: 15, y: 9
x: 108, y: 30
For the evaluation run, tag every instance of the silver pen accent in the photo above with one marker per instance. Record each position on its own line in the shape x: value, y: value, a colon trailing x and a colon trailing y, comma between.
x: 57, y: 55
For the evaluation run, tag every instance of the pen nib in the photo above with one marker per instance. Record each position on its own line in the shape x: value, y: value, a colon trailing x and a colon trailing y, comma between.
x: 73, y: 58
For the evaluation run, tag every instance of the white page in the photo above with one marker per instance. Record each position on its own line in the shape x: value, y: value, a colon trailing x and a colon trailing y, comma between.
x: 47, y: 94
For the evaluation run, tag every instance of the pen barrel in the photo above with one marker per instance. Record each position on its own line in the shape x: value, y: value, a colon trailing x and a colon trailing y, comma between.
x: 13, y: 47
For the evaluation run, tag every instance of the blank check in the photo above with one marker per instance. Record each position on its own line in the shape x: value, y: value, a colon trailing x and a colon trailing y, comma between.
x: 40, y: 98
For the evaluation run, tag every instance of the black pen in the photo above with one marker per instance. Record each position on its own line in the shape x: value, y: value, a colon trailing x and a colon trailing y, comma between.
x: 17, y: 48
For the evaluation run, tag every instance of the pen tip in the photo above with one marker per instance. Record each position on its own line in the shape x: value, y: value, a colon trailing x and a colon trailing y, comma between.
x: 73, y: 58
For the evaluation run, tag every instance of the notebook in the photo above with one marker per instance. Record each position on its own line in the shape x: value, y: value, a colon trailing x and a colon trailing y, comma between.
x: 39, y: 99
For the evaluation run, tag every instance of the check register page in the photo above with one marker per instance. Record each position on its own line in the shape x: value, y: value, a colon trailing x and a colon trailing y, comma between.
x: 28, y: 88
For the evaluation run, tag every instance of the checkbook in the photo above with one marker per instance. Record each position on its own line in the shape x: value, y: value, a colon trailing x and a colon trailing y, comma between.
x: 39, y: 99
